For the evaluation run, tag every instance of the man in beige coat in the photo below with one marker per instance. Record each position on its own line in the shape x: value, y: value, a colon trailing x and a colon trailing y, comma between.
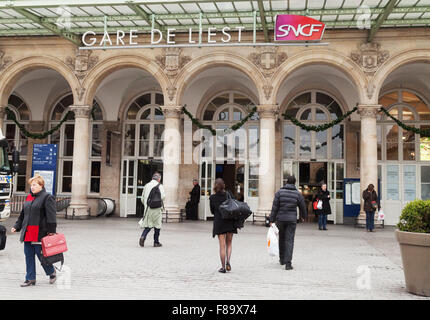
x: 153, y: 216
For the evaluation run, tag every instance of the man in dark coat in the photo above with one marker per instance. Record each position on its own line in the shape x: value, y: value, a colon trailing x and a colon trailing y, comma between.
x: 284, y: 212
x: 193, y: 204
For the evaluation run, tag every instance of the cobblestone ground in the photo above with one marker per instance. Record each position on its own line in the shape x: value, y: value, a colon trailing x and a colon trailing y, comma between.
x: 104, y: 261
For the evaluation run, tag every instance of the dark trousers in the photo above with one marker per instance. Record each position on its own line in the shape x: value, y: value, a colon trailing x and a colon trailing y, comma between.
x: 30, y: 251
x: 370, y: 220
x: 322, y: 221
x: 156, y: 234
x: 287, y: 231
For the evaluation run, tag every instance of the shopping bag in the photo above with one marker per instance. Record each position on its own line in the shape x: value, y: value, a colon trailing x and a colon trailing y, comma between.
x: 141, y: 223
x: 272, y: 241
x: 381, y: 215
x: 319, y: 205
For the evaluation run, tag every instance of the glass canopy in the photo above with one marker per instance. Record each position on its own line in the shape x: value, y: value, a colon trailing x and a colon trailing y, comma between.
x: 74, y: 17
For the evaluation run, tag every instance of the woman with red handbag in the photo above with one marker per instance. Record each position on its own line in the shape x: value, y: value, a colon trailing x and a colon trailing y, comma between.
x: 38, y: 218
x: 371, y: 203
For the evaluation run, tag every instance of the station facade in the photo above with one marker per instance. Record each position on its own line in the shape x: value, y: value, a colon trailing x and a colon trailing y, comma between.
x: 126, y: 115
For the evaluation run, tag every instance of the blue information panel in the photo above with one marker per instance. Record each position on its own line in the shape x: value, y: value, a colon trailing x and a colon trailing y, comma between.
x: 45, y: 164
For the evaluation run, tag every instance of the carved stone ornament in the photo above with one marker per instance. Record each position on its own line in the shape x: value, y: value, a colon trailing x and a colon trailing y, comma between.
x: 80, y: 92
x: 268, y: 111
x: 370, y: 89
x: 171, y: 91
x: 369, y: 111
x: 82, y: 63
x: 171, y: 112
x: 81, y: 111
x: 172, y: 61
x: 370, y: 57
x: 267, y: 59
x: 267, y: 88
x: 4, y: 61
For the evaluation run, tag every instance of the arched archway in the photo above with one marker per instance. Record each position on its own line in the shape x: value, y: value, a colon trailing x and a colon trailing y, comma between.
x: 112, y: 64
x: 396, y: 62
x: 321, y: 57
x: 213, y: 60
x: 12, y: 74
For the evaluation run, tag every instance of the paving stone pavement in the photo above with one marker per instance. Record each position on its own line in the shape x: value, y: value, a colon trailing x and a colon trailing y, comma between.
x: 104, y: 261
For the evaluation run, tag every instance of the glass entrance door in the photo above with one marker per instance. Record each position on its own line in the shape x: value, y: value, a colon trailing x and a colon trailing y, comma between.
x: 135, y: 174
x: 128, y: 190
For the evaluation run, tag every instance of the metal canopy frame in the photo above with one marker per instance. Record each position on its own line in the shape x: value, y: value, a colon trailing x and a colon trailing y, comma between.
x: 47, y: 17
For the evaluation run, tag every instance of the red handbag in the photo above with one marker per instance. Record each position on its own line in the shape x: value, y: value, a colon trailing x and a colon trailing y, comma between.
x: 55, y: 244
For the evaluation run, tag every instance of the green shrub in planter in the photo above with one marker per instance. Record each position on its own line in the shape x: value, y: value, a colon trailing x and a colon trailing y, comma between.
x: 415, y: 217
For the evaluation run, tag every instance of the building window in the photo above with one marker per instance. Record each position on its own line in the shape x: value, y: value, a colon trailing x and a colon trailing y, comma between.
x: 64, y: 138
x: 400, y: 144
x: 17, y: 140
x: 406, y: 153
x: 233, y: 148
x: 313, y: 108
x: 144, y: 127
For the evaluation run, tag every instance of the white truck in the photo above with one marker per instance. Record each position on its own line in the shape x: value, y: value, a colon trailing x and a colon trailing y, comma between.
x: 6, y: 177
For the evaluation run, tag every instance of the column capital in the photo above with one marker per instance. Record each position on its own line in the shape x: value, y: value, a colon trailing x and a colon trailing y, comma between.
x: 171, y: 111
x: 268, y: 110
x: 81, y: 111
x: 369, y: 110
x: 2, y: 111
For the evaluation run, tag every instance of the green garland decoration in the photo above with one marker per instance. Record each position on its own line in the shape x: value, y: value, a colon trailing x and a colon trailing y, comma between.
x: 421, y: 132
x: 234, y: 127
x: 42, y: 135
x: 322, y: 127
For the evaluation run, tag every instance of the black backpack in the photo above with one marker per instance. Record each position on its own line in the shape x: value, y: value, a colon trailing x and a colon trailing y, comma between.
x: 154, y: 199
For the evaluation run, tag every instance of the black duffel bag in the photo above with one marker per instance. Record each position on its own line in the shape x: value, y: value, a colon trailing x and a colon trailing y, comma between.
x: 232, y: 209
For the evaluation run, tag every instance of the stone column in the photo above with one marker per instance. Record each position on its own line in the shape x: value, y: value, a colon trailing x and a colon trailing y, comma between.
x: 368, y: 149
x: 267, y: 172
x: 171, y: 160
x: 2, y: 118
x: 79, y: 203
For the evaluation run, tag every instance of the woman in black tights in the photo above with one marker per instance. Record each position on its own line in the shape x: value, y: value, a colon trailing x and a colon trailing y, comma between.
x: 224, y: 229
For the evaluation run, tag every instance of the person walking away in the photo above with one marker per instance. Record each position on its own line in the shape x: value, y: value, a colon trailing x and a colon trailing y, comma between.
x: 154, y: 191
x: 193, y: 213
x: 371, y: 203
x: 38, y: 218
x: 224, y: 229
x: 324, y: 196
x: 284, y: 213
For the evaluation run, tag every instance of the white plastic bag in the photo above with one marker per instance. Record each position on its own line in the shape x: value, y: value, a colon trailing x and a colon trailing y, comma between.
x: 319, y: 205
x: 272, y: 241
x: 140, y: 223
x: 381, y: 215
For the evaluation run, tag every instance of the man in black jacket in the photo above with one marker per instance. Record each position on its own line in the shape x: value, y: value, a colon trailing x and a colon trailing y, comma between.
x: 284, y: 212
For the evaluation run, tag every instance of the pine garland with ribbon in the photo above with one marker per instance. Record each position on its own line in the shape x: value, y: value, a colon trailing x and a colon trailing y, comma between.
x: 322, y: 127
x: 45, y: 134
x: 421, y: 132
x: 234, y: 127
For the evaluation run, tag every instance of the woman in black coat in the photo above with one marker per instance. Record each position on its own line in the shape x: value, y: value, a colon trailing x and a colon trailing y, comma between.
x: 324, y: 196
x: 223, y: 228
x: 369, y: 196
x: 193, y: 205
x: 37, y: 220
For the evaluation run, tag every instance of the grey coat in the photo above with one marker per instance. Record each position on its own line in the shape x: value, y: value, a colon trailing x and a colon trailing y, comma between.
x: 38, y: 216
x: 285, y: 204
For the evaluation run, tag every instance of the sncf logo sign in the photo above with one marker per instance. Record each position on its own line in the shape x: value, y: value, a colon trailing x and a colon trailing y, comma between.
x: 298, y: 28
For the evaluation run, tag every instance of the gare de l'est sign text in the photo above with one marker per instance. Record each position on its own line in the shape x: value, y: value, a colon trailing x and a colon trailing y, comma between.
x: 287, y: 28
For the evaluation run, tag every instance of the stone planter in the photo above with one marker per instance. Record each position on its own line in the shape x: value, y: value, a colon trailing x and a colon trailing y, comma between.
x: 415, y: 251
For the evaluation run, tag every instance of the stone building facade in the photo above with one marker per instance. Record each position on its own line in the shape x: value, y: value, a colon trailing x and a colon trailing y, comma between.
x: 138, y: 96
